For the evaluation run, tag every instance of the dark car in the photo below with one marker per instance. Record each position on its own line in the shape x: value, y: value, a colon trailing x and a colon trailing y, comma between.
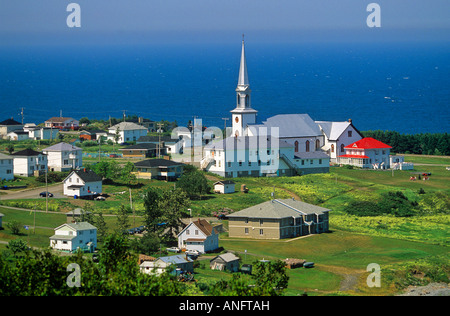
x: 44, y: 194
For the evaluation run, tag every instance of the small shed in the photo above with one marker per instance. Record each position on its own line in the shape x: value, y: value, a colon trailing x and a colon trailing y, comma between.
x: 1, y: 215
x: 293, y: 263
x: 224, y: 187
x: 227, y: 261
x: 76, y: 215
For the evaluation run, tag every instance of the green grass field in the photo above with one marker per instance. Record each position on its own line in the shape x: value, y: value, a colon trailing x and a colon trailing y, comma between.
x: 344, y: 253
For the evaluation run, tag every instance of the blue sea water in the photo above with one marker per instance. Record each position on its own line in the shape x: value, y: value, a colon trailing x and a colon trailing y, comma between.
x: 389, y: 86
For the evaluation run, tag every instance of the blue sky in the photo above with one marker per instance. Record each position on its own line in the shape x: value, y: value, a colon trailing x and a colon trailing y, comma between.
x: 26, y: 21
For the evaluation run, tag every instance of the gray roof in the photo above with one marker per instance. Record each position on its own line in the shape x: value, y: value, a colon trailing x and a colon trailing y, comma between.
x: 293, y: 125
x: 333, y: 129
x: 227, y: 257
x: 62, y: 147
x: 78, y: 226
x: 127, y: 126
x: 3, y: 156
x: 248, y: 142
x: 280, y: 209
x: 177, y: 259
x: 311, y: 155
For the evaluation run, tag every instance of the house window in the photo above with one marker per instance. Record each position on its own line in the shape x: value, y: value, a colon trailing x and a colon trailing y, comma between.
x: 240, y: 163
x: 320, y: 161
x: 261, y: 232
x: 246, y: 220
x: 187, y: 232
x: 196, y: 232
x: 246, y: 231
x: 229, y: 164
x: 261, y: 222
x: 342, y: 148
x: 349, y: 133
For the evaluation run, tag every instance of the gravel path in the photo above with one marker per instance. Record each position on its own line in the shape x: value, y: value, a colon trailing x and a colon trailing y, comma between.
x: 432, y: 289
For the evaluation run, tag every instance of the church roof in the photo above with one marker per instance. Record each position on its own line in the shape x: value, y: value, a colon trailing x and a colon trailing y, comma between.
x: 293, y: 125
x: 127, y: 126
x: 243, y: 75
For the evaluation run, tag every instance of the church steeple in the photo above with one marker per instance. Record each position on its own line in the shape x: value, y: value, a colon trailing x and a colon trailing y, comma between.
x: 243, y: 75
x: 243, y: 114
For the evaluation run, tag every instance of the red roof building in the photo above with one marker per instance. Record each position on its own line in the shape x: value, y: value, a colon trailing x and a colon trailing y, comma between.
x: 366, y: 153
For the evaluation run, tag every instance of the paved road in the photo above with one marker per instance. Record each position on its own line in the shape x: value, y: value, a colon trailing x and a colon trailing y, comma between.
x: 56, y: 189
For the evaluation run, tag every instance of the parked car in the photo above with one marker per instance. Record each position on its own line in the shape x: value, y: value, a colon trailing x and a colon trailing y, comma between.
x: 100, y: 198
x: 173, y: 249
x: 192, y: 252
x: 44, y: 194
x: 308, y: 264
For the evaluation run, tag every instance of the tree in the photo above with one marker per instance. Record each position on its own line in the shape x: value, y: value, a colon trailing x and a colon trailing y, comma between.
x: 194, y: 183
x: 173, y: 205
x: 17, y: 245
x: 14, y: 226
x: 153, y: 212
x: 101, y: 226
x: 122, y: 220
x: 127, y: 174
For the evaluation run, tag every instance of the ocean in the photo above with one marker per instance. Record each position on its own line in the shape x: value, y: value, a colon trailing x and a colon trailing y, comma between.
x: 388, y: 86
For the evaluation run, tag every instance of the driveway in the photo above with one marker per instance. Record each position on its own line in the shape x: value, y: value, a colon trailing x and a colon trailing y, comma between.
x: 56, y: 189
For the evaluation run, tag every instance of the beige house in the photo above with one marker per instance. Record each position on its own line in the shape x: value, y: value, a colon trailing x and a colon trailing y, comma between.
x: 278, y: 219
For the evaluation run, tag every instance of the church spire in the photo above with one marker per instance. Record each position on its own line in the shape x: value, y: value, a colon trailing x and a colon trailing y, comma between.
x: 243, y: 76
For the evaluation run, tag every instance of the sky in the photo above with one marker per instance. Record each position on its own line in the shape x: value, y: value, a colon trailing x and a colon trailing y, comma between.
x: 157, y: 21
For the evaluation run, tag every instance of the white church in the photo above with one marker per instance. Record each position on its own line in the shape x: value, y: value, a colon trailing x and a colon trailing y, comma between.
x: 283, y: 145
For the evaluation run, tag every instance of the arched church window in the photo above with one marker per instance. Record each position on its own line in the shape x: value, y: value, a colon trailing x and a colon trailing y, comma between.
x: 342, y: 148
x: 296, y: 146
x: 307, y: 146
x: 236, y: 119
x: 317, y: 144
x: 247, y: 100
x: 332, y: 148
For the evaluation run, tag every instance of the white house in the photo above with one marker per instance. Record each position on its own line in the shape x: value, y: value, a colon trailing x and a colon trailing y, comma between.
x: 17, y: 134
x: 367, y: 153
x: 9, y: 125
x: 1, y: 217
x: 71, y: 236
x: 337, y: 136
x: 63, y: 123
x: 63, y: 157
x: 224, y: 187
x: 37, y: 133
x: 127, y: 131
x: 199, y: 235
x: 28, y: 162
x: 82, y: 183
x: 6, y: 167
x: 160, y: 265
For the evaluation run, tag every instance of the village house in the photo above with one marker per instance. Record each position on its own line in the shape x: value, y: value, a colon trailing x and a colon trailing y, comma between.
x: 29, y: 163
x: 38, y: 133
x: 63, y: 157
x: 160, y: 169
x: 200, y: 236
x: 17, y: 134
x: 225, y: 262
x: 145, y: 150
x: 8, y: 126
x: 160, y: 265
x: 224, y: 187
x: 71, y: 236
x: 126, y: 132
x: 278, y: 219
x: 92, y: 134
x: 366, y: 153
x: 82, y: 183
x: 337, y: 136
x: 63, y: 123
x: 6, y: 167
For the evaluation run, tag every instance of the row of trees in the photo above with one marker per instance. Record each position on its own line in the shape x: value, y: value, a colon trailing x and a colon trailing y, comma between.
x: 36, y: 273
x: 426, y: 144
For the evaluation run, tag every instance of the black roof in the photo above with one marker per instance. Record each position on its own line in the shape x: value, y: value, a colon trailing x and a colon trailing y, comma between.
x: 153, y: 139
x: 88, y: 175
x: 27, y: 152
x: 141, y: 146
x: 157, y: 163
x: 10, y: 122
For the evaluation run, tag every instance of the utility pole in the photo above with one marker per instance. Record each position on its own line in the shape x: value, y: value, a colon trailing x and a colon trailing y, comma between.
x: 225, y: 119
x: 46, y: 193
x: 131, y: 205
x: 160, y: 125
x: 21, y: 113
